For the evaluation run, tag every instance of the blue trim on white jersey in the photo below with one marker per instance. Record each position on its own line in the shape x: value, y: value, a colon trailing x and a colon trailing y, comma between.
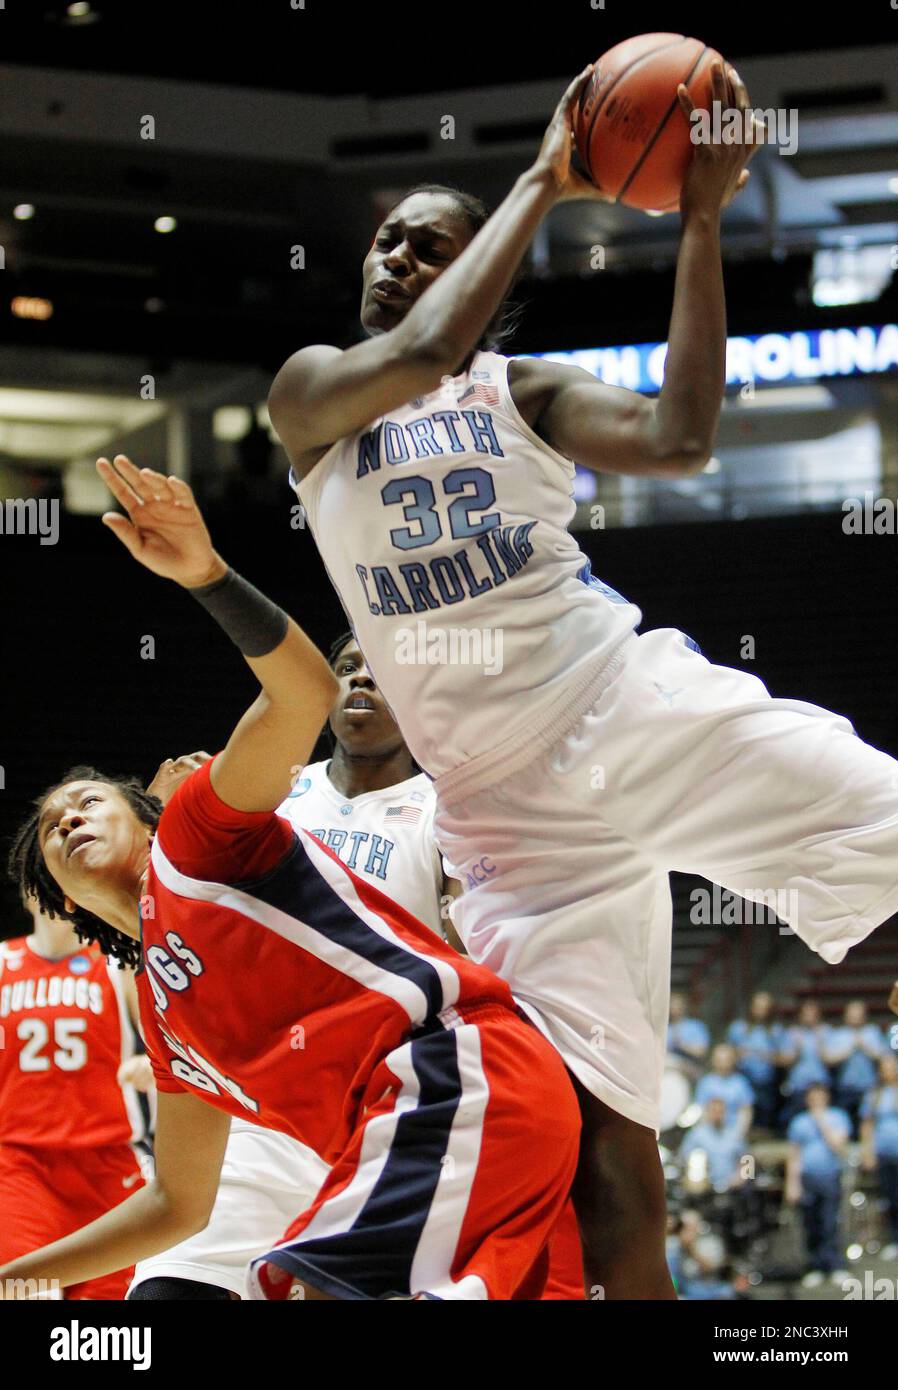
x: 586, y: 576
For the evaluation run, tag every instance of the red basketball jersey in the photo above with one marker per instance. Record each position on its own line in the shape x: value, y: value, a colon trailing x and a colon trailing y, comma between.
x: 276, y: 980
x: 64, y: 1031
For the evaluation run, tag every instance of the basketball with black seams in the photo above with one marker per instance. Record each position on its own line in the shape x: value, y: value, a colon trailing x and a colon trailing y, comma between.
x: 631, y: 133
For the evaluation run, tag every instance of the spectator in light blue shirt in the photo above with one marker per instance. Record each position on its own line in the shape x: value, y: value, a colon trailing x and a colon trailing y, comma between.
x: 759, y: 1043
x: 724, y: 1082
x: 879, y: 1138
x: 688, y: 1038
x: 818, y: 1137
x: 697, y: 1258
x: 722, y: 1144
x: 803, y: 1045
x: 854, y: 1049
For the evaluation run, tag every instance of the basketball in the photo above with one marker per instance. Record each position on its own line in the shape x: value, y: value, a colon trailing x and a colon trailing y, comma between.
x: 631, y: 134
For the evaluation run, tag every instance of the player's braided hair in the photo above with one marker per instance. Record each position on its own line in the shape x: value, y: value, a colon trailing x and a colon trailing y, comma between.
x: 504, y: 323
x: 28, y: 868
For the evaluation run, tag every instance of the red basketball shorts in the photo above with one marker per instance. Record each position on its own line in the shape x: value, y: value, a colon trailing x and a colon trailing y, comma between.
x: 48, y: 1193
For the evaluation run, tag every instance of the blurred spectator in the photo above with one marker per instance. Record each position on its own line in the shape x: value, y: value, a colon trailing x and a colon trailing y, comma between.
x: 818, y: 1137
x: 759, y: 1043
x: 724, y: 1082
x: 879, y: 1139
x: 687, y: 1038
x: 854, y: 1049
x: 697, y: 1257
x: 803, y: 1045
x: 721, y: 1145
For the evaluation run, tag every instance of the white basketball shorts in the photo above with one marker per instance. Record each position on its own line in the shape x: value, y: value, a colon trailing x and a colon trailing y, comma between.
x: 266, y: 1178
x: 683, y: 765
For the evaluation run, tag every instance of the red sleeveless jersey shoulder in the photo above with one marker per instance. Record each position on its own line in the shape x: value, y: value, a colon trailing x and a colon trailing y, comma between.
x: 64, y: 1035
x: 205, y: 838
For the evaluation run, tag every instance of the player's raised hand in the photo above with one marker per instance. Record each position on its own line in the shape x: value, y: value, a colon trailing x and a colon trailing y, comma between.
x: 171, y: 773
x: 893, y: 999
x: 717, y: 171
x: 164, y: 528
x: 558, y: 143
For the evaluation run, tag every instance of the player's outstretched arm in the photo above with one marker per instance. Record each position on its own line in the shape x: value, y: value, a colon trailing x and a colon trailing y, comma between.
x: 191, y: 1137
x: 164, y: 530
x: 695, y: 370
x: 322, y: 394
x: 605, y: 428
x: 611, y: 430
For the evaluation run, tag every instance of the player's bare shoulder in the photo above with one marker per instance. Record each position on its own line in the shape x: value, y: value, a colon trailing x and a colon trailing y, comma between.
x: 533, y: 383
x: 291, y: 388
x: 530, y: 383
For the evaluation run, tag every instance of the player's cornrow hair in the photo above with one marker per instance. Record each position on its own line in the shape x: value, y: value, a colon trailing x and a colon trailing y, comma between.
x: 27, y: 867
x: 505, y: 321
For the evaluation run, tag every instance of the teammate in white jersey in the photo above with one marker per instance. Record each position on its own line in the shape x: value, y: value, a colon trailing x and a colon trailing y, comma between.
x: 370, y: 803
x: 575, y: 762
x: 372, y: 806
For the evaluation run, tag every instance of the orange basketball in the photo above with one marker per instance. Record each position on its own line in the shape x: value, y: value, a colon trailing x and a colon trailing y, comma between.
x: 631, y: 134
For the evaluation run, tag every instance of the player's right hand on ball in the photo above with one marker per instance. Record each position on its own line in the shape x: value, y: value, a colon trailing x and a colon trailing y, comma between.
x: 717, y: 171
x: 164, y: 528
x: 554, y: 157
x: 171, y: 773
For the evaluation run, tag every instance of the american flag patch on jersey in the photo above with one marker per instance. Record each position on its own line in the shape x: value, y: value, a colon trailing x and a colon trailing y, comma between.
x: 407, y: 814
x: 488, y: 394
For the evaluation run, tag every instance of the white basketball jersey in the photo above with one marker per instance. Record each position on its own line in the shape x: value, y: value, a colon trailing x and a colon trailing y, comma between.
x: 444, y: 528
x: 384, y: 836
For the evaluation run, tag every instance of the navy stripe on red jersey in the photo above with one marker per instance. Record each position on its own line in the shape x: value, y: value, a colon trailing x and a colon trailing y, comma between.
x: 297, y: 888
x: 373, y: 1258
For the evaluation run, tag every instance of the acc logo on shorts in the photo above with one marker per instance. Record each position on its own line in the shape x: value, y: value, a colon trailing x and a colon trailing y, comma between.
x: 79, y: 965
x: 480, y: 872
x: 301, y: 787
